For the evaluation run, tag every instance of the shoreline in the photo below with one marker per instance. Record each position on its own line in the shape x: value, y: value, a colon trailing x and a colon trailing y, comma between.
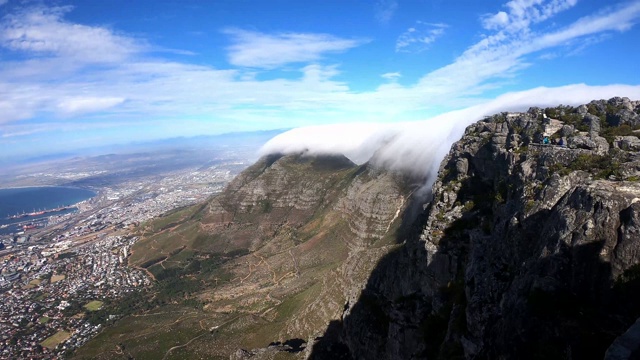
x: 46, y: 186
x: 81, y: 195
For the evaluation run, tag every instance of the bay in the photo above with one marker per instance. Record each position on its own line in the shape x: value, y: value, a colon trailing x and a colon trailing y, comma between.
x: 16, y: 201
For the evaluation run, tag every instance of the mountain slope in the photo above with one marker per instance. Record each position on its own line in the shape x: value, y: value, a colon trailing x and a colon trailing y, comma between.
x: 528, y: 250
x: 273, y: 258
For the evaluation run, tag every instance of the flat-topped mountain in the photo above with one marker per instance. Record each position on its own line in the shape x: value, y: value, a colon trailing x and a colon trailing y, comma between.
x: 273, y: 258
x: 528, y: 249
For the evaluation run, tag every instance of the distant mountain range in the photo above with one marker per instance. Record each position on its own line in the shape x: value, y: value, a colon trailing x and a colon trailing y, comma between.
x: 249, y: 139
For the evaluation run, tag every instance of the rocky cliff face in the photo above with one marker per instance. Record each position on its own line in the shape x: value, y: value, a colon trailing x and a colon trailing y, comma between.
x: 528, y: 249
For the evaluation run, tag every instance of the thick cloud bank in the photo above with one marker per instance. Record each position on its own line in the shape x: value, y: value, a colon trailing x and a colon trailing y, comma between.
x: 417, y: 148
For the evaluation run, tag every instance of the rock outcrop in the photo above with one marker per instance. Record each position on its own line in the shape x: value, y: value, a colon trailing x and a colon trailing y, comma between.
x: 527, y: 251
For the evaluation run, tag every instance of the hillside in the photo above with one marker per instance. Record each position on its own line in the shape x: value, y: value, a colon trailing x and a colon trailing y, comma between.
x: 529, y: 249
x: 271, y: 259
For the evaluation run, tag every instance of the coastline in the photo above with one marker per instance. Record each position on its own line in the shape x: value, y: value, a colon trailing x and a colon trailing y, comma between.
x: 20, y: 200
x: 44, y: 186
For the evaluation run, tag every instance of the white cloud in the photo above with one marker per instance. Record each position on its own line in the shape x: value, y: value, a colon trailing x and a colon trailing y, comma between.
x: 385, y: 9
x: 42, y: 31
x: 82, y: 105
x: 419, y: 37
x: 495, y: 21
x: 548, y: 56
x: 418, y: 147
x: 502, y: 54
x: 255, y: 49
x: 523, y: 13
x: 2, y: 2
x: 391, y: 76
x: 139, y: 87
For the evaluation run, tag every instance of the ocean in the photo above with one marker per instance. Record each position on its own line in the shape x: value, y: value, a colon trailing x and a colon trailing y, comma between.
x: 16, y: 201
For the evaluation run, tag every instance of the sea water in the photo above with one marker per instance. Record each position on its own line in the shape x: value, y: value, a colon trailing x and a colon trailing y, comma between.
x: 17, y: 201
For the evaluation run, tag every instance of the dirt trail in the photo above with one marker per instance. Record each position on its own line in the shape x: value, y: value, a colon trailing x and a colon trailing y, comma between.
x: 183, y: 345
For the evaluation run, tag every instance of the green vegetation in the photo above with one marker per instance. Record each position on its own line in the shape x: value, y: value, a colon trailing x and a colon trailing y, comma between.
x: 94, y: 305
x: 191, y: 254
x: 601, y: 166
x: 521, y: 150
x: 610, y: 132
x: 148, y: 336
x: 529, y: 205
x: 568, y: 115
x: 468, y: 206
x: 43, y: 320
x: 174, y: 217
x: 631, y: 274
x: 265, y: 206
x: 52, y: 341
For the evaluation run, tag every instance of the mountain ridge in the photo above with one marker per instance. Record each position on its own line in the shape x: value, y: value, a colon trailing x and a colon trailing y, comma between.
x: 526, y: 250
x: 271, y: 259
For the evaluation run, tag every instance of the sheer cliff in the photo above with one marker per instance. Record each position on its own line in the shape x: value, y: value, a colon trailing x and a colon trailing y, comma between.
x: 529, y: 249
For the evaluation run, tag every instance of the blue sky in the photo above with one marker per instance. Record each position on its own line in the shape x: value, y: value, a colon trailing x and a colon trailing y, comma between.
x: 75, y: 74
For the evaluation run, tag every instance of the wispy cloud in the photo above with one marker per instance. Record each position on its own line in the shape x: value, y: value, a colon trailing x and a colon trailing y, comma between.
x: 501, y: 54
x: 418, y: 37
x: 392, y: 76
x: 42, y: 31
x: 82, y: 76
x: 385, y: 9
x: 80, y: 105
x: 260, y: 50
x: 521, y: 14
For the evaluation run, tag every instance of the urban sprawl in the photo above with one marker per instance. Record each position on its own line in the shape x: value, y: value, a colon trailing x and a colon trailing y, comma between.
x: 53, y: 278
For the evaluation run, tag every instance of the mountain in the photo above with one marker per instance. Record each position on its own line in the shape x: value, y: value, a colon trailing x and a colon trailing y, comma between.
x: 272, y: 259
x: 527, y: 247
x: 528, y: 250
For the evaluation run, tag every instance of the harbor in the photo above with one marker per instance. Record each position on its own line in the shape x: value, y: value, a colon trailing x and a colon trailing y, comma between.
x: 39, y: 212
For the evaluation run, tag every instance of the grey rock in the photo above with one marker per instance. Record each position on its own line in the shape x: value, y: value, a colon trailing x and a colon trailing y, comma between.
x: 529, y: 264
x: 582, y: 110
x: 628, y: 143
x: 593, y: 122
x: 621, y: 102
x: 600, y: 106
x: 582, y: 142
x: 567, y: 130
x: 624, y: 117
x: 462, y: 167
x: 534, y: 111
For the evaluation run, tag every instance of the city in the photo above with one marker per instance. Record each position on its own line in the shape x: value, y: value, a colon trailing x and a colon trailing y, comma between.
x: 54, y: 278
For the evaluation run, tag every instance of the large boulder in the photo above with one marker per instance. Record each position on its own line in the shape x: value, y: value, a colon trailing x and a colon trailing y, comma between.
x: 624, y: 117
x: 596, y: 143
x: 593, y: 122
x: 628, y: 143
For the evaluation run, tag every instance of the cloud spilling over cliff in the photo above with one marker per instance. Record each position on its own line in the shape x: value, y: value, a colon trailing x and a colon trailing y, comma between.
x: 417, y: 147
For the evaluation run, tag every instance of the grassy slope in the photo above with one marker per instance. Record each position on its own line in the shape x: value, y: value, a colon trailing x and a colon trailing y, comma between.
x: 251, y: 298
